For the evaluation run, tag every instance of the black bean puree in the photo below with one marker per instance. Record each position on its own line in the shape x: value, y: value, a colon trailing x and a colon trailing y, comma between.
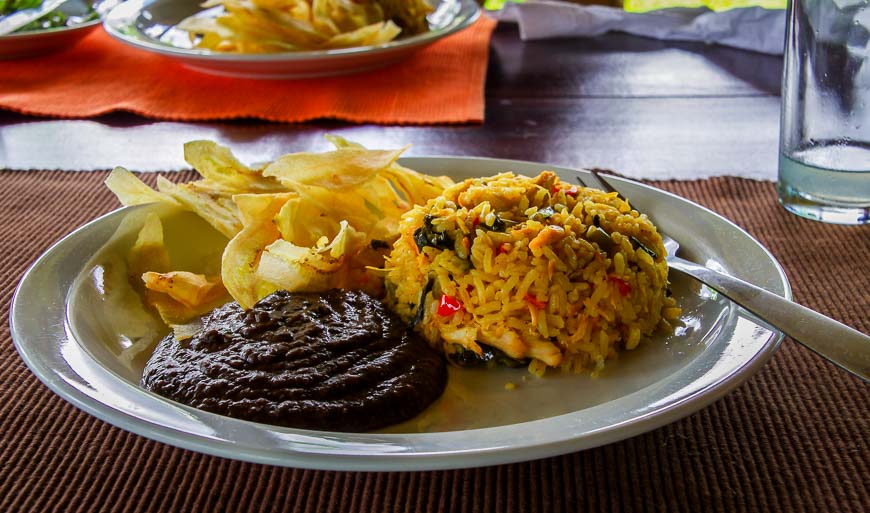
x: 336, y: 360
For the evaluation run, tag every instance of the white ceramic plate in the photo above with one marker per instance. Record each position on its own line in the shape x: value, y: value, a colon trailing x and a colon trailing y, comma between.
x: 39, y: 42
x: 151, y: 25
x: 70, y: 338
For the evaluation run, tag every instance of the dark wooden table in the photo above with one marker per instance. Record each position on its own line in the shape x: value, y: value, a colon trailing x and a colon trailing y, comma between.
x: 643, y: 107
x: 791, y: 438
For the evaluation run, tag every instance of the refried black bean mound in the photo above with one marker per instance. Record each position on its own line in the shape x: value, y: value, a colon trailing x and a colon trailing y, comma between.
x: 336, y: 360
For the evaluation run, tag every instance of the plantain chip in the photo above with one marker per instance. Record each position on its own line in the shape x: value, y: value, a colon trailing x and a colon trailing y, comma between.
x: 304, y: 222
x: 338, y: 169
x: 130, y: 190
x: 317, y: 268
x: 340, y: 142
x: 242, y: 254
x: 416, y: 187
x: 186, y: 330
x: 188, y: 289
x: 217, y: 208
x: 373, y: 206
x: 223, y: 172
x: 149, y: 252
x: 174, y: 313
x: 374, y: 34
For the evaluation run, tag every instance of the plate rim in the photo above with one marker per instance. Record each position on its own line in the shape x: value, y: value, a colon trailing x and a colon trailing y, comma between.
x: 123, y: 15
x: 432, y: 460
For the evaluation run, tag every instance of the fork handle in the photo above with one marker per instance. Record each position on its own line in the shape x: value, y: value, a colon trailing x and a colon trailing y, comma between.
x: 836, y: 342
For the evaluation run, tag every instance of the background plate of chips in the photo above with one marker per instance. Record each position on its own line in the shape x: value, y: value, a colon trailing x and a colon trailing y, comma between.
x: 152, y: 25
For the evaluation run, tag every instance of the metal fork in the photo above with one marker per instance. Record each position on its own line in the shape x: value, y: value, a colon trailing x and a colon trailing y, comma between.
x: 843, y: 346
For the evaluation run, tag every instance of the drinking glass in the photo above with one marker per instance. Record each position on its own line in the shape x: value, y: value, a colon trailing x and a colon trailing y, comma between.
x: 824, y: 160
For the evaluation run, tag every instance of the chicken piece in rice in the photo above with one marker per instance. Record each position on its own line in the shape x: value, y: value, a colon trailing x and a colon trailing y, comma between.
x: 529, y: 271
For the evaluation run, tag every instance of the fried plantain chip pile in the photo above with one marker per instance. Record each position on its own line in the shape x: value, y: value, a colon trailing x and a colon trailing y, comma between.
x: 304, y: 222
x: 269, y: 26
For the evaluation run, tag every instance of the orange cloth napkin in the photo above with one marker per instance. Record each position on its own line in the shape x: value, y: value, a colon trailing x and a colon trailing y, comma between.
x: 442, y: 83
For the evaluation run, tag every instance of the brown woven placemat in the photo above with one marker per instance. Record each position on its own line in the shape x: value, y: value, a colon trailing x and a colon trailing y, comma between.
x: 792, y: 438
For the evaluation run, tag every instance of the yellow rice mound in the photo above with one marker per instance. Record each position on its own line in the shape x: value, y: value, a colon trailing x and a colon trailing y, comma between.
x: 532, y: 271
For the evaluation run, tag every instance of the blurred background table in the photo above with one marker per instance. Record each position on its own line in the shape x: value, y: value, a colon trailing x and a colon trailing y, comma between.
x: 643, y: 107
x: 792, y: 438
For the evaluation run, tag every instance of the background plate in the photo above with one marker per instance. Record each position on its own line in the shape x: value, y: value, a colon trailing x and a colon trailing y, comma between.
x: 150, y: 25
x: 39, y: 42
x: 68, y: 336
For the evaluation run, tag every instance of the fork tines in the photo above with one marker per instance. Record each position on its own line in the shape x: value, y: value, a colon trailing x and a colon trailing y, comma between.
x: 599, y: 175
